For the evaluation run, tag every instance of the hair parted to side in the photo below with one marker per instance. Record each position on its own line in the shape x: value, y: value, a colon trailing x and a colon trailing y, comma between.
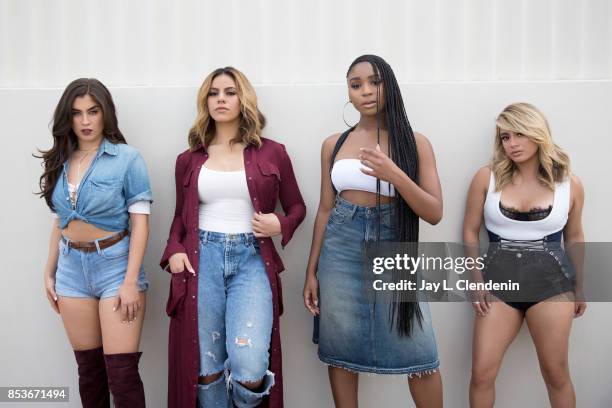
x: 528, y: 120
x: 252, y: 121
x: 403, y: 152
x: 64, y: 139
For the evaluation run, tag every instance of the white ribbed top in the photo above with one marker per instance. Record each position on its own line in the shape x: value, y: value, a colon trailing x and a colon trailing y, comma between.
x: 507, y: 228
x: 225, y: 203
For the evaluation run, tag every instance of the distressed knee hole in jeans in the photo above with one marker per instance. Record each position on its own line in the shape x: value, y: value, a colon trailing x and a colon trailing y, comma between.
x: 243, y: 341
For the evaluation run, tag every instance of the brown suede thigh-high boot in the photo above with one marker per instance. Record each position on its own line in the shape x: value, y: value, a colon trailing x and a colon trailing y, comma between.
x: 93, y: 384
x: 124, y: 380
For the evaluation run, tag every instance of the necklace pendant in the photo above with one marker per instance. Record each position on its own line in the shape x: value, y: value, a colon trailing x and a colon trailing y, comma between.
x: 73, y: 199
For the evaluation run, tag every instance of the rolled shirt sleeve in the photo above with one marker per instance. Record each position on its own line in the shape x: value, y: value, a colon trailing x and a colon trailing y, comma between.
x: 137, y: 186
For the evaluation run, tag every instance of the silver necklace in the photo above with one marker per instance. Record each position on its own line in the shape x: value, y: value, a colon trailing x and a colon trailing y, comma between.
x: 73, y: 195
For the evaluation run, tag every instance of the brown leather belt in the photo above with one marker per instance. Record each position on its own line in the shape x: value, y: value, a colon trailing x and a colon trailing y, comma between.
x: 103, y: 243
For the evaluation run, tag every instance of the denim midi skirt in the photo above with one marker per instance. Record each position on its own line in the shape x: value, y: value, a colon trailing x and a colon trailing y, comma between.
x: 353, y: 330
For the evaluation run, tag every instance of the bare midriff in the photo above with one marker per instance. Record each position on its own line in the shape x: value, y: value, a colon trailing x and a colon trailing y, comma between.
x: 81, y: 231
x: 364, y: 198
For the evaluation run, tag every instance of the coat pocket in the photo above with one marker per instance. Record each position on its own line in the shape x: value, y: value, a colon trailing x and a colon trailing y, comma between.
x: 269, y: 169
x: 268, y: 184
x: 178, y: 289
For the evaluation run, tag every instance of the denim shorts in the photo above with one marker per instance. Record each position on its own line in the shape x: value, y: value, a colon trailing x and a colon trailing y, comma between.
x: 97, y: 274
x: 234, y: 307
x: 542, y: 270
x: 353, y: 331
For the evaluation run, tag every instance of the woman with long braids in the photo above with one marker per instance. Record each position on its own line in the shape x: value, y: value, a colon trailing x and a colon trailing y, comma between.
x: 529, y: 201
x: 378, y: 179
x: 225, y: 296
x: 98, y: 188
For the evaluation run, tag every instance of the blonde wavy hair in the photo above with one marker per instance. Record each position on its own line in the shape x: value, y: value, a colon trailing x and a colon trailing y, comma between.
x: 526, y: 119
x: 252, y: 121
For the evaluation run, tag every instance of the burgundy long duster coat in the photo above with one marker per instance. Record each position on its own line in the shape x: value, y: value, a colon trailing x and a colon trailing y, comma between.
x: 270, y: 177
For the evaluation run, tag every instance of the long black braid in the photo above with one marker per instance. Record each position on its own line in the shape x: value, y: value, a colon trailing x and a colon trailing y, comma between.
x: 403, y: 151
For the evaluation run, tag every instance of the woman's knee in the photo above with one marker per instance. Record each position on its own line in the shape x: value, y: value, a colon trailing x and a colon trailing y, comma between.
x: 248, y: 368
x: 209, y: 379
x: 483, y: 375
x: 556, y: 376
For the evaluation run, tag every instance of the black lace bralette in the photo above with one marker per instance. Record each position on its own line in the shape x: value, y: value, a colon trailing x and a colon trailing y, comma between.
x: 535, y: 214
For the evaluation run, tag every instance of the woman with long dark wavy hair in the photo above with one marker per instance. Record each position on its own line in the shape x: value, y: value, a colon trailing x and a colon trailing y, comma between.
x: 98, y: 188
x: 378, y: 179
x: 225, y: 294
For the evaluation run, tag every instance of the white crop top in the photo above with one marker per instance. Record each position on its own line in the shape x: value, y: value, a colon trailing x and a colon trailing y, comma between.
x: 225, y: 203
x: 346, y: 175
x: 511, y: 229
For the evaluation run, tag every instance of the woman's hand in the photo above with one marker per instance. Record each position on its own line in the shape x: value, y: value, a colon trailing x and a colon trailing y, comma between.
x: 128, y: 299
x: 580, y: 308
x: 481, y: 302
x: 50, y: 291
x: 311, y: 294
x: 579, y: 305
x: 381, y: 165
x: 179, y: 262
x: 265, y: 225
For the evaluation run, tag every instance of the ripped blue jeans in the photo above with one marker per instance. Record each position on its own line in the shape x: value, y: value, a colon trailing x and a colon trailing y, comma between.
x: 235, y: 316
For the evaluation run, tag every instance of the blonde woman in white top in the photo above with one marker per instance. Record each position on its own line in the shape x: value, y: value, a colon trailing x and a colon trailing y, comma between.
x: 527, y: 194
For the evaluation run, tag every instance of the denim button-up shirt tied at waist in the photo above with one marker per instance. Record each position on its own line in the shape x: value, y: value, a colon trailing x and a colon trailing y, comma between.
x: 116, y: 178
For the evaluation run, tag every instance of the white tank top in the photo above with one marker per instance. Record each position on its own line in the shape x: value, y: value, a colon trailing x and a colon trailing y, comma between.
x: 345, y: 175
x: 510, y: 229
x: 225, y: 203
